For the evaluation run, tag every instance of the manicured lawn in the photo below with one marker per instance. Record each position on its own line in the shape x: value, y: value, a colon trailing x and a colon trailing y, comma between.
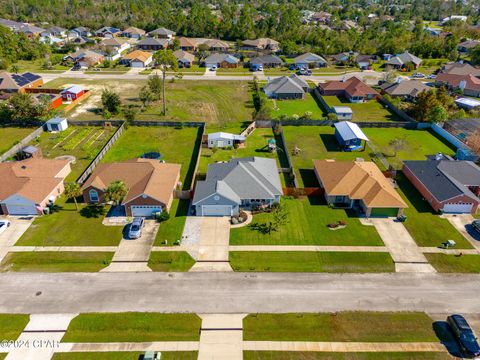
x: 371, y: 110
x: 172, y: 229
x: 192, y: 69
x: 311, y: 261
x: 307, y: 225
x: 297, y: 107
x: 178, y: 146
x: 12, y: 325
x: 170, y: 261
x: 455, y: 264
x: 121, y: 355
x: 417, y: 144
x: 82, y: 142
x: 426, y: 227
x: 11, y: 136
x: 299, y: 355
x: 37, y: 66
x: 133, y: 327
x: 314, y: 143
x: 54, y: 261
x: 341, y: 326
x: 234, y: 71
x: 69, y: 227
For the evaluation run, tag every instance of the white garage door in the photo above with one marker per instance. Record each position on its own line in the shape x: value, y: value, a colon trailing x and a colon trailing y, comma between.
x: 216, y: 210
x: 457, y: 208
x: 21, y: 209
x: 146, y: 210
x: 136, y: 64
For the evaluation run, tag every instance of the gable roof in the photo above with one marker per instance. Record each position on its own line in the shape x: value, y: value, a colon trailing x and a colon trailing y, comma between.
x: 74, y: 89
x: 266, y: 59
x: 187, y: 42
x: 404, y: 58
x: 219, y: 58
x: 215, y: 43
x: 358, y: 180
x: 134, y: 30
x: 460, y: 69
x: 349, y: 131
x: 286, y: 85
x: 184, y: 56
x: 153, y: 42
x: 352, y: 87
x: 27, y: 28
x: 113, y: 42
x: 470, y: 82
x: 309, y: 57
x: 107, y: 29
x: 224, y: 135
x: 469, y: 44
x: 142, y: 176
x: 9, y: 81
x: 138, y: 55
x: 260, y: 43
x: 162, y: 31
x: 405, y: 88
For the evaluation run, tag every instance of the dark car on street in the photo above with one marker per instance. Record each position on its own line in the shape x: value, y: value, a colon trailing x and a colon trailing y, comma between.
x: 476, y: 225
x: 464, y: 335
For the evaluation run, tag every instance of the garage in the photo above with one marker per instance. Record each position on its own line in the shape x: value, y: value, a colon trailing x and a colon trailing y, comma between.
x: 216, y: 210
x: 384, y: 212
x: 460, y: 208
x: 145, y: 210
x: 21, y: 209
x: 137, y: 64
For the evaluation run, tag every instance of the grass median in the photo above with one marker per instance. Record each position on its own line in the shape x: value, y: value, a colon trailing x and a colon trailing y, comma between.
x: 454, y: 263
x: 170, y: 261
x: 299, y: 355
x: 120, y: 355
x: 12, y: 325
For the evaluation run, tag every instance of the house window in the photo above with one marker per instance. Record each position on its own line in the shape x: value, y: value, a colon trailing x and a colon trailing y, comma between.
x: 93, y: 195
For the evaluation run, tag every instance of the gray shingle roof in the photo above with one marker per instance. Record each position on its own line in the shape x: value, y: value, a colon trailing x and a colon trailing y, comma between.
x: 267, y: 59
x: 404, y: 58
x: 286, y: 85
x: 219, y: 58
x: 309, y: 57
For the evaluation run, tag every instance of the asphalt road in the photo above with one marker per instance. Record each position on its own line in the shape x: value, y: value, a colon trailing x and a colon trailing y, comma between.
x: 236, y: 292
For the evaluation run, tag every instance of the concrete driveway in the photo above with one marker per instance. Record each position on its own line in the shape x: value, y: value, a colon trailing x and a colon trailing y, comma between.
x: 11, y: 235
x: 462, y: 222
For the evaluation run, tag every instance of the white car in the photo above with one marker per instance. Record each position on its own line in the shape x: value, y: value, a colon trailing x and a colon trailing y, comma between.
x: 213, y: 68
x: 4, y: 224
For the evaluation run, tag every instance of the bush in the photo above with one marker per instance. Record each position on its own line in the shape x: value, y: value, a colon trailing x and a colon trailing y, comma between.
x: 163, y: 216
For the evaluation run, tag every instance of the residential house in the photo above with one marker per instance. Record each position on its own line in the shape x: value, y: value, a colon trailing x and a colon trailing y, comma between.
x: 138, y: 59
x: 453, y: 17
x: 243, y: 183
x: 12, y: 25
x: 358, y: 185
x: 55, y: 31
x: 56, y: 124
x: 151, y: 185
x: 81, y: 40
x: 343, y: 112
x: 467, y: 45
x: 30, y: 185
x: 187, y: 44
x: 432, y: 31
x: 449, y: 186
x: 216, y: 45
x: 352, y: 89
x: 11, y: 83
x: 267, y: 61
x: 52, y: 40
x: 114, y: 48
x: 365, y: 62
x: 309, y: 60
x: 221, y: 61
x: 84, y: 58
x: 286, y: 87
x: 460, y: 69
x: 133, y: 33
x: 185, y: 59
x: 261, y: 44
x: 223, y: 140
x: 108, y: 32
x: 406, y: 89
x: 321, y: 17
x: 31, y: 31
x: 468, y: 84
x: 82, y: 31
x: 72, y: 93
x: 349, y: 136
x: 152, y: 44
x: 402, y: 61
x: 162, y: 33
x: 344, y: 57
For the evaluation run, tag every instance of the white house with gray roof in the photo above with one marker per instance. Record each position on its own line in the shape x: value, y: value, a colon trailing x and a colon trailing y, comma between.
x: 286, y: 87
x: 239, y: 183
x: 401, y: 61
x: 309, y: 60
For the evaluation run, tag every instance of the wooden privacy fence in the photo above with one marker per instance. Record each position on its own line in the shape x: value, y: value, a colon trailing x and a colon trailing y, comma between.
x: 21, y: 144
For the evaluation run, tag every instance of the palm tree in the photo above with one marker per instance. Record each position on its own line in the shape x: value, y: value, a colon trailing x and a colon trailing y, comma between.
x: 15, y: 69
x: 72, y: 191
x: 116, y: 191
x: 165, y: 59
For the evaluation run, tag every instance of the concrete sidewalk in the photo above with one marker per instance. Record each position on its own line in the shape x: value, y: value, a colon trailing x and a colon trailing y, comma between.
x: 133, y: 346
x: 14, y: 232
x: 63, y: 248
x: 308, y: 248
x: 462, y: 222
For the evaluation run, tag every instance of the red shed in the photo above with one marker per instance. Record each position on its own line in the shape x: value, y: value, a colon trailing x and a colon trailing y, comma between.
x: 72, y: 93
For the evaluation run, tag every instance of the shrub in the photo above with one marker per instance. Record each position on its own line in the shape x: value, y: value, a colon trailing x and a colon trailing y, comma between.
x: 163, y: 216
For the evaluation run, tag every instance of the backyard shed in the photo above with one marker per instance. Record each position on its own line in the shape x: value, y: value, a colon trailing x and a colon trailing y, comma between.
x: 56, y: 124
x: 349, y: 135
x: 222, y: 140
x: 72, y: 93
x: 343, y: 112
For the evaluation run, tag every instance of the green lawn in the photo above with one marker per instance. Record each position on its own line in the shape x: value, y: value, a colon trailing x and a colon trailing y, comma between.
x: 69, y: 227
x: 179, y: 146
x: 37, y: 66
x: 122, y: 355
x: 314, y: 143
x: 371, y: 110
x: 307, y: 225
x: 299, y: 355
x: 311, y: 261
x: 297, y: 107
x: 341, y: 326
x: 426, y: 227
x: 196, y: 69
x: 234, y: 71
x: 82, y: 142
x: 12, y: 325
x: 170, y: 261
x: 54, y: 261
x: 133, y: 327
x: 11, y: 136
x: 417, y: 144
x: 172, y: 229
x: 455, y: 264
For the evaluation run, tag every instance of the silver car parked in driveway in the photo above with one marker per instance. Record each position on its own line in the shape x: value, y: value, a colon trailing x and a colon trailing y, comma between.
x: 136, y: 226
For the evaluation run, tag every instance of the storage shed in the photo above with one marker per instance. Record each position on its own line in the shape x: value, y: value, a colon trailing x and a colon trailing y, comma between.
x: 56, y: 124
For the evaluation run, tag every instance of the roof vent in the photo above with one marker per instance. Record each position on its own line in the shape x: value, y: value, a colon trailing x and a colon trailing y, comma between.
x: 24, y: 166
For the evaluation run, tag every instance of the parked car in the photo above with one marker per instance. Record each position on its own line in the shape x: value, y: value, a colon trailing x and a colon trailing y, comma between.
x: 291, y: 67
x: 476, y: 225
x: 304, y: 72
x: 4, y: 224
x: 213, y: 68
x: 136, y: 226
x: 418, y: 76
x: 464, y: 335
x: 432, y: 76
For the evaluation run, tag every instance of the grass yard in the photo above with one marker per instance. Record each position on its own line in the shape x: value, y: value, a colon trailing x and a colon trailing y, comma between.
x: 417, y: 144
x: 124, y: 355
x: 307, y: 225
x: 170, y: 261
x: 298, y: 107
x: 426, y: 227
x: 299, y: 355
x: 12, y: 325
x: 179, y: 146
x: 315, y: 143
x: 82, y: 142
x: 133, y: 327
x: 69, y: 227
x: 11, y: 136
x: 341, y: 326
x: 172, y: 229
x: 455, y: 264
x: 54, y: 261
x: 311, y: 261
x: 371, y: 110
x: 37, y: 66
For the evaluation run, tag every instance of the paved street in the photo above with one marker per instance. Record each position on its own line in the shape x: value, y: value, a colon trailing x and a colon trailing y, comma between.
x: 237, y: 292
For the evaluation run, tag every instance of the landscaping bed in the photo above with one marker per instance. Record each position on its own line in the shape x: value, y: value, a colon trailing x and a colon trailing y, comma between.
x: 300, y: 355
x: 122, y: 355
x: 12, y: 325
x: 133, y: 327
x: 170, y: 261
x: 371, y: 110
x: 444, y: 263
x: 312, y: 261
x: 11, y: 136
